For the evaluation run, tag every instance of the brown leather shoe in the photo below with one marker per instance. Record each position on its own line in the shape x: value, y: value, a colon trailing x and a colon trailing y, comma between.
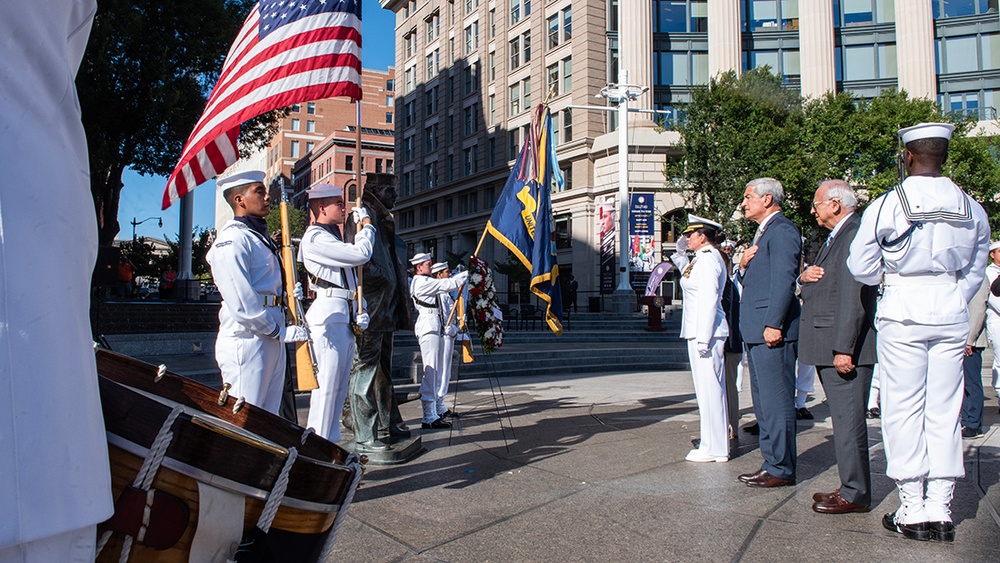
x: 767, y: 480
x: 821, y: 496
x: 835, y: 504
x: 750, y: 476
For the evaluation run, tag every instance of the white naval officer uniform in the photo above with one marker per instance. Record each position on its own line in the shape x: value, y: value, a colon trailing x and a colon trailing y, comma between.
x: 447, y: 303
x: 326, y: 256
x: 993, y: 323
x: 704, y: 326
x: 923, y: 322
x: 250, y: 354
x: 55, y: 482
x: 425, y: 292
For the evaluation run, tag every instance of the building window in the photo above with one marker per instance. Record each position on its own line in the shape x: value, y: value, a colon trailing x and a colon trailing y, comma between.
x: 472, y: 38
x: 471, y: 78
x: 515, y: 99
x: 514, y: 47
x: 311, y: 108
x: 471, y: 119
x: 430, y: 175
x: 869, y: 62
x: 378, y: 165
x: 567, y: 119
x: 493, y: 23
x: 433, y: 64
x: 389, y: 101
x: 680, y: 68
x: 388, y: 117
x: 526, y: 45
x: 408, y: 85
x: 552, y: 79
x: 491, y: 149
x: 567, y: 23
x: 567, y: 77
x: 489, y: 197
x: 515, y: 11
x: 448, y: 208
x: 433, y: 27
x: 564, y: 233
x: 431, y: 101
x: 349, y: 162
x: 493, y: 109
x: 296, y: 108
x: 552, y: 24
x: 968, y: 53
x: 767, y: 15
x: 407, y: 184
x: 512, y: 144
x: 555, y: 128
x: 295, y: 124
x: 469, y: 160
x: 295, y: 149
x: 958, y: 8
x: 388, y: 167
x: 409, y: 44
x: 389, y: 84
x: 309, y: 146
x: 526, y: 93
x: 310, y: 126
x: 409, y: 114
x: 408, y: 149
x: 493, y: 66
x: 430, y: 138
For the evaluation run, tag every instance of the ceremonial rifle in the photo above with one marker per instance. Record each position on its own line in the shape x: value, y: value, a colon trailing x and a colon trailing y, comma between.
x: 305, y: 357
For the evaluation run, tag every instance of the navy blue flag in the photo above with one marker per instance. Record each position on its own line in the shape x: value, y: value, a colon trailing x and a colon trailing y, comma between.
x: 522, y: 218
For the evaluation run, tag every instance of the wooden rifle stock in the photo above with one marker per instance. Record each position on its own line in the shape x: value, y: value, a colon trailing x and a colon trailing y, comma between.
x: 305, y: 362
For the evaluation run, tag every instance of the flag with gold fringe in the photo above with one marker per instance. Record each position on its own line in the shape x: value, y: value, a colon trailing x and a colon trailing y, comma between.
x: 522, y: 219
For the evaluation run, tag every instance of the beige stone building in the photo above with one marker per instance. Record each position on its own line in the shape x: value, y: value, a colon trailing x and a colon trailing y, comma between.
x: 471, y: 70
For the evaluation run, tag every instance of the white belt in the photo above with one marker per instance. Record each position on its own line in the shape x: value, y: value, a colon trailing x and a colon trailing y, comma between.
x: 943, y: 278
x: 335, y: 292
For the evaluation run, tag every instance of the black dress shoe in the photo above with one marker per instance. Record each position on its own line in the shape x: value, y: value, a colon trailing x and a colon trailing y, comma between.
x: 803, y: 414
x: 749, y: 476
x: 448, y: 414
x: 919, y: 531
x: 836, y: 504
x: 942, y: 531
x: 696, y: 442
x: 766, y: 480
x: 820, y: 496
x: 436, y: 425
x: 399, y: 431
x: 752, y: 429
x: 874, y: 412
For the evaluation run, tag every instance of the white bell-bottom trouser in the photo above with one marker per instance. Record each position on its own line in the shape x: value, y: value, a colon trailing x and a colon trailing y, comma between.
x: 993, y: 334
x: 74, y: 546
x: 334, y: 347
x: 255, y: 367
x: 921, y: 388
x: 430, y: 354
x: 805, y: 383
x: 444, y: 364
x: 709, y: 375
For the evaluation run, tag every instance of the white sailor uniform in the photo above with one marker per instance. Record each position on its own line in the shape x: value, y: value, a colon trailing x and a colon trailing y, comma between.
x: 251, y: 356
x: 447, y: 303
x: 331, y: 262
x: 930, y: 241
x: 426, y: 292
x: 704, y: 326
x: 993, y: 324
x: 55, y: 484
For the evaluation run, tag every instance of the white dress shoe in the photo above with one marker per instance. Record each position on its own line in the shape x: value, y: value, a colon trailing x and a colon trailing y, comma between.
x: 699, y: 456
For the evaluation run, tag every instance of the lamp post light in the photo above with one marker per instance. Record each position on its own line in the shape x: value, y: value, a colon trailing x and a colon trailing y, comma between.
x: 137, y: 223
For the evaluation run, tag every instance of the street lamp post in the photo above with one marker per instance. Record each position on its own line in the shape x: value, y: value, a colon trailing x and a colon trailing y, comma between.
x: 137, y: 223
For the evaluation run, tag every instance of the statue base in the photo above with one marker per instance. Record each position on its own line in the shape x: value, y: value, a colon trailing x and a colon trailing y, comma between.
x: 623, y: 301
x: 397, y: 452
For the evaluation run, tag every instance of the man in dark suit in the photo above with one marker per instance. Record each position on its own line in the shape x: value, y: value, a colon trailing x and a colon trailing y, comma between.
x: 769, y: 324
x: 838, y: 337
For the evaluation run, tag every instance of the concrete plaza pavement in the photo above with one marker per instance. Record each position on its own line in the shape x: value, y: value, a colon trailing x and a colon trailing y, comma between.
x: 590, y: 467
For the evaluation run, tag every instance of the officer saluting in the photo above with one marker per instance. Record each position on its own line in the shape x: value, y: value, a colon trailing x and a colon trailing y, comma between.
x: 450, y: 332
x: 250, y: 349
x: 330, y: 262
x: 930, y: 241
x: 426, y: 292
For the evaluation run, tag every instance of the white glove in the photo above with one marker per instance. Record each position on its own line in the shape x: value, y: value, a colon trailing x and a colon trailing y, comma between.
x: 297, y: 292
x: 451, y: 331
x: 362, y: 321
x: 293, y: 333
x: 682, y: 244
x: 703, y: 349
x: 461, y: 277
x: 360, y: 214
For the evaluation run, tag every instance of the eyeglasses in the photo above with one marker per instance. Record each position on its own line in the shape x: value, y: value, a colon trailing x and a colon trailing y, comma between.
x: 816, y: 204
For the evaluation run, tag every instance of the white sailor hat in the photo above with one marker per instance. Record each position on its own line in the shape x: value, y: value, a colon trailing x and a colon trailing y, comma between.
x: 994, y: 245
x: 695, y: 223
x: 727, y: 243
x: 320, y: 191
x: 240, y: 179
x: 420, y: 258
x: 438, y: 266
x: 926, y: 131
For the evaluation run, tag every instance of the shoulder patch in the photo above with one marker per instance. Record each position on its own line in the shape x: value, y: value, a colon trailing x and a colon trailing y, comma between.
x: 223, y: 243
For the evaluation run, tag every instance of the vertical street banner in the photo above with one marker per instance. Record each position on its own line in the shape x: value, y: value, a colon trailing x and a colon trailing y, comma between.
x: 522, y: 219
x: 606, y: 227
x: 286, y: 53
x: 641, y: 231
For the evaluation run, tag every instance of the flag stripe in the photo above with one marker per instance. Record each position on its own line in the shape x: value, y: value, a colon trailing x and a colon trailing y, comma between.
x: 293, y: 60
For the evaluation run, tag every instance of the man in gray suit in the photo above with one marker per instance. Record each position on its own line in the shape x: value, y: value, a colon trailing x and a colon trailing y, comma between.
x: 838, y: 337
x: 769, y: 324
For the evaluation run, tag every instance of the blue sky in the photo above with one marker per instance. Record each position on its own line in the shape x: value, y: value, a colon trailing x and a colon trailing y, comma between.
x: 141, y: 196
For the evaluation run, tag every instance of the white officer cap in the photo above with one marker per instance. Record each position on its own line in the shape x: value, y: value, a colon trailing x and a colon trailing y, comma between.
x: 926, y: 131
x: 437, y: 267
x: 320, y: 191
x: 420, y: 258
x: 728, y: 243
x: 695, y: 223
x: 994, y: 245
x: 240, y: 179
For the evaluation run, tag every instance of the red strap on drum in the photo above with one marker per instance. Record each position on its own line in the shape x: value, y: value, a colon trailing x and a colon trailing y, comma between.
x: 167, y: 519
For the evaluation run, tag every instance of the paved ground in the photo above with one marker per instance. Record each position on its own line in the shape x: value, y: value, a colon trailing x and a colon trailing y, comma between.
x: 591, y: 468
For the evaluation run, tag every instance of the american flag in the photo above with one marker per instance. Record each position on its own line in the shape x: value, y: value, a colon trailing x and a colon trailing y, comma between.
x: 287, y: 52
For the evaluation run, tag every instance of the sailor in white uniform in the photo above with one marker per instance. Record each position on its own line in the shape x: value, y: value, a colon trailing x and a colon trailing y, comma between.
x: 426, y: 292
x: 450, y: 333
x: 930, y: 242
x: 250, y: 348
x: 993, y: 313
x: 330, y: 262
x: 55, y: 484
x: 705, y: 328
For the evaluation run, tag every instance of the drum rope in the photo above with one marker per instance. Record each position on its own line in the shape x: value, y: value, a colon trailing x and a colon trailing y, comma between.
x: 277, y: 493
x: 144, y: 479
x: 354, y: 464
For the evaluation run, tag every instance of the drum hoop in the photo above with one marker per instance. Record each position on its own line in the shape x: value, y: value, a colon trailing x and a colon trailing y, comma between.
x: 203, y: 476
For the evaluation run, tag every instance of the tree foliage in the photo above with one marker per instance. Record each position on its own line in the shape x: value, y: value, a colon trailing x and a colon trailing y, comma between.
x: 740, y: 128
x: 143, y: 83
x: 298, y: 220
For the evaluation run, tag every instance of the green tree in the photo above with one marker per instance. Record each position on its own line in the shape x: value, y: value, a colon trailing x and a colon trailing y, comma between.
x: 297, y: 221
x: 140, y: 253
x: 200, y: 243
x: 143, y: 83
